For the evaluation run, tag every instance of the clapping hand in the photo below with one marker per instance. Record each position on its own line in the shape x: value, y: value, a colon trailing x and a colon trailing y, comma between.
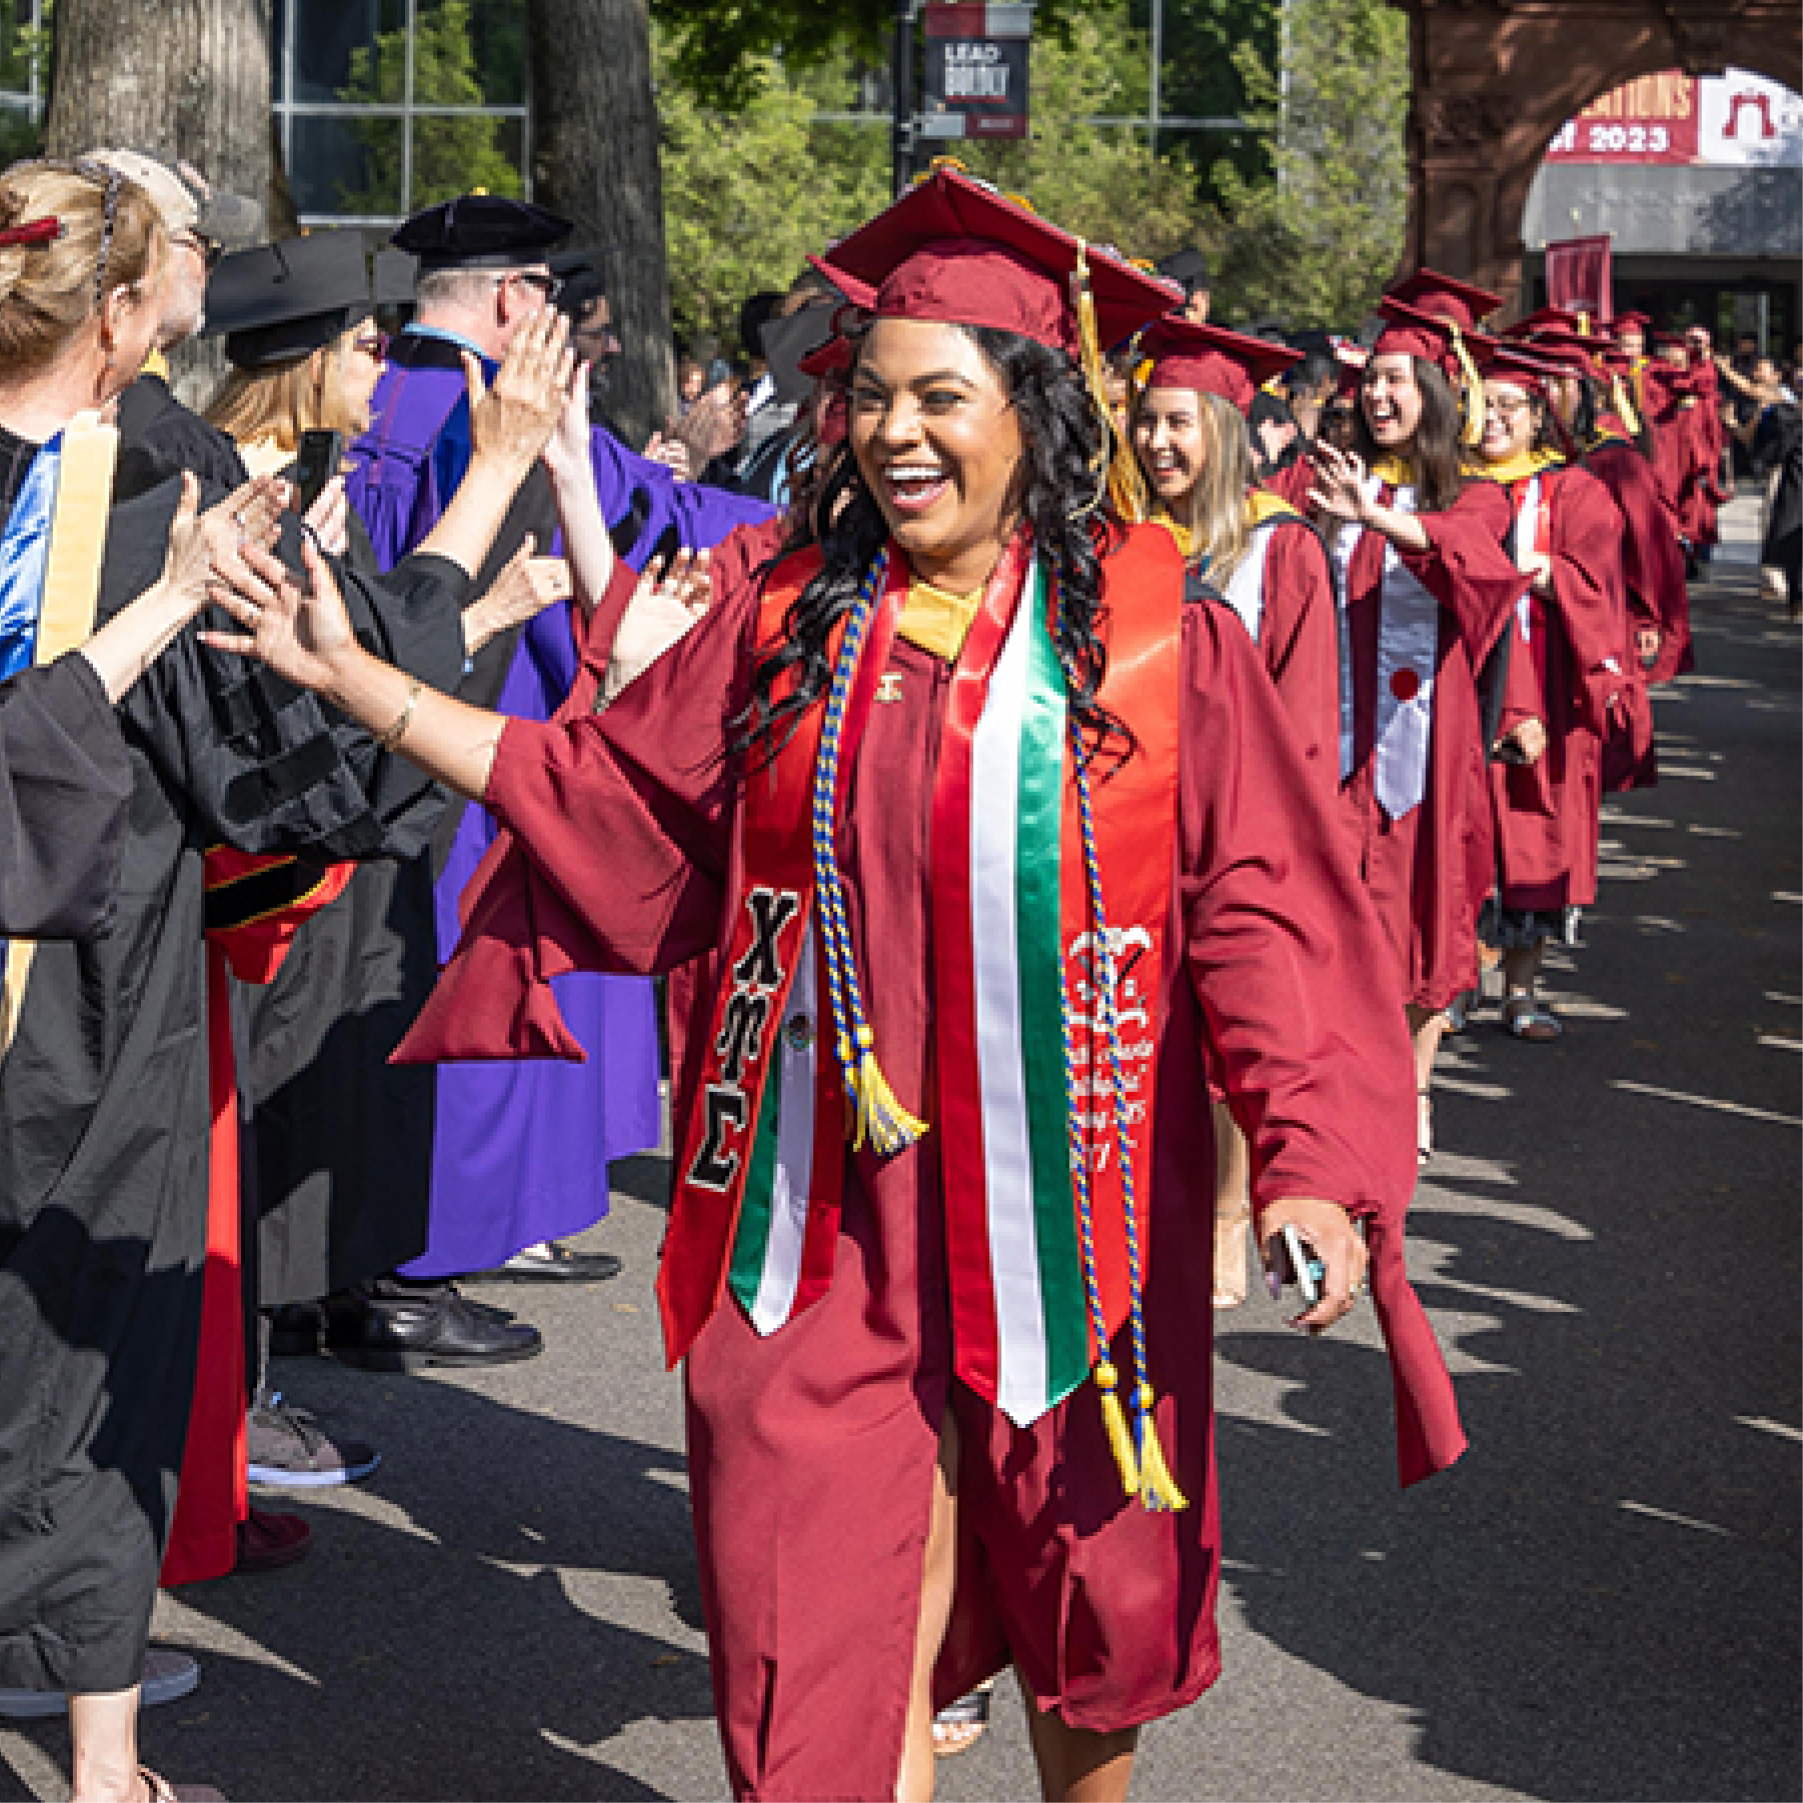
x: 525, y: 588
x: 1338, y: 488
x: 667, y: 602
x: 512, y: 421
x: 297, y: 626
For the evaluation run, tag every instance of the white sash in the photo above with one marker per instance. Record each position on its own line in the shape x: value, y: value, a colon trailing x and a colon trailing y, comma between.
x: 1408, y: 652
x: 1245, y: 591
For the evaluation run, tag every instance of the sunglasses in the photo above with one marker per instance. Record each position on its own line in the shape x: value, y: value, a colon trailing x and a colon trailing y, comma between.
x: 211, y: 250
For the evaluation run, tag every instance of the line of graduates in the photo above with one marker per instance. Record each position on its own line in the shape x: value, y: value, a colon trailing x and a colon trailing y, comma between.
x: 1077, y: 738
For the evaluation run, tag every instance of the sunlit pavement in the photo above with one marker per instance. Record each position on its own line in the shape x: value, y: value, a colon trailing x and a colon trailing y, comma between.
x: 1600, y: 1602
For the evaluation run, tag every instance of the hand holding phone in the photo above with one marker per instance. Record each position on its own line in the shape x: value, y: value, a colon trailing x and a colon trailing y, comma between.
x: 319, y: 459
x: 1298, y: 1265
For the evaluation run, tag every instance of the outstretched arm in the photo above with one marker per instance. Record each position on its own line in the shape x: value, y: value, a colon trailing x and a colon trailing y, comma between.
x: 1339, y: 494
x: 301, y: 631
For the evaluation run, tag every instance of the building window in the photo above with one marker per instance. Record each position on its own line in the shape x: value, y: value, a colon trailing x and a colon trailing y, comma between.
x: 387, y: 106
x: 23, y: 60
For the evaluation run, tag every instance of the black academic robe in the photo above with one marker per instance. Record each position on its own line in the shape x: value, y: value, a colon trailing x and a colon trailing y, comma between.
x: 103, y: 1126
x: 65, y: 783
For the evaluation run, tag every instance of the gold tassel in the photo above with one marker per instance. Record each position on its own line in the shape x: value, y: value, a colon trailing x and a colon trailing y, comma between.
x: 877, y: 1115
x: 1618, y: 392
x: 1157, y: 1489
x: 1114, y: 1419
x: 1473, y: 433
x: 1126, y: 486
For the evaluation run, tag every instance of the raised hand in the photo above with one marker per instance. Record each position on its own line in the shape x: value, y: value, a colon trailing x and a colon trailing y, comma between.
x: 1338, y: 487
x: 512, y: 421
x: 567, y: 449
x: 712, y: 426
x: 672, y: 453
x: 667, y: 602
x: 527, y: 586
x: 299, y: 628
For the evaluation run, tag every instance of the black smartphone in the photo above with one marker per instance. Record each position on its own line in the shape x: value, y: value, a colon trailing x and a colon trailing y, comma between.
x: 319, y: 459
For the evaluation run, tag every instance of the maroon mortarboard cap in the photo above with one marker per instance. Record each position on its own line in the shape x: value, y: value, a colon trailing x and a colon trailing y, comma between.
x: 1517, y: 363
x: 1444, y: 297
x: 828, y: 360
x: 1543, y: 317
x: 1212, y: 360
x: 857, y: 294
x: 957, y: 252
x: 1626, y: 321
x: 1571, y: 351
x: 1411, y: 332
x: 1670, y: 341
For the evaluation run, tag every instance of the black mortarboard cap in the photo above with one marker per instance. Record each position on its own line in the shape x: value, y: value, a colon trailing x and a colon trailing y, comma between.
x: 481, y: 231
x: 395, y: 275
x: 284, y: 300
x: 1187, y: 267
x: 583, y: 282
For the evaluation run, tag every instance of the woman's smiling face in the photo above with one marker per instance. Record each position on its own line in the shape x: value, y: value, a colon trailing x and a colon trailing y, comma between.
x: 1168, y: 439
x: 939, y: 445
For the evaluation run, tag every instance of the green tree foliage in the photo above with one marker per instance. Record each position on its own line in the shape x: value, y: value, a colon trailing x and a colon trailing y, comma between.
x: 1100, y: 181
x: 1201, y: 78
x: 1315, y: 245
x: 747, y: 194
x: 451, y: 154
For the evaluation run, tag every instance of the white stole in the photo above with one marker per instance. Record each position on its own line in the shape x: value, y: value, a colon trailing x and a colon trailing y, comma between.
x: 1245, y: 591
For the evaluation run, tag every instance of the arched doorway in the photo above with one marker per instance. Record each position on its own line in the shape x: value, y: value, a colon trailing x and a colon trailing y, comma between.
x: 1494, y: 80
x: 1698, y: 183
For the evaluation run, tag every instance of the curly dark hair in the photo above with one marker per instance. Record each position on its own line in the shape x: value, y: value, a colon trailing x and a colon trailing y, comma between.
x: 1061, y: 499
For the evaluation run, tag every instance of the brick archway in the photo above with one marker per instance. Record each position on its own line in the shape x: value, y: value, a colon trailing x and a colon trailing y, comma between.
x: 1493, y: 80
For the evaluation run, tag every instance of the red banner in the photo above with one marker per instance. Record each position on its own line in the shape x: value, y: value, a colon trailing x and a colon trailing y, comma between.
x: 1650, y: 120
x: 1578, y: 276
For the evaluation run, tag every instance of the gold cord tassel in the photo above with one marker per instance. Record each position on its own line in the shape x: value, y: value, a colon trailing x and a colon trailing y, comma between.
x: 1157, y: 1488
x: 1114, y: 1419
x: 1126, y: 486
x: 1473, y: 433
x: 876, y: 1115
x: 1618, y: 392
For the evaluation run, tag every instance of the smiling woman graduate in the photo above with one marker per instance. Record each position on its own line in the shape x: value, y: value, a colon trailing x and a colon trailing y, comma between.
x: 999, y: 836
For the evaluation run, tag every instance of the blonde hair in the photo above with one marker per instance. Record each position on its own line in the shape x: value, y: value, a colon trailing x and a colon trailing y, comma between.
x: 108, y: 236
x: 1219, y: 515
x: 305, y: 394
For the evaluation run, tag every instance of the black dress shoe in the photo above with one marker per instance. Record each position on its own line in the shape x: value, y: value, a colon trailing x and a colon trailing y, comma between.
x: 550, y: 1261
x: 393, y: 1327
x: 297, y: 1330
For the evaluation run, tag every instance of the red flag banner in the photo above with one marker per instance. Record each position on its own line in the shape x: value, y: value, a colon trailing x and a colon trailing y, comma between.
x: 1577, y: 276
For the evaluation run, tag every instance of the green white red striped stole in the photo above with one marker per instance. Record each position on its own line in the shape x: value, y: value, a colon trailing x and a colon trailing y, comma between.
x: 1034, y: 1075
x: 1026, y: 1079
x: 756, y: 1203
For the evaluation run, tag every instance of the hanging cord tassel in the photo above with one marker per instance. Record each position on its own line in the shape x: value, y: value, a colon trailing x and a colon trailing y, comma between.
x: 1144, y: 1471
x: 1472, y: 433
x: 1126, y: 486
x: 874, y: 1113
x: 1618, y: 393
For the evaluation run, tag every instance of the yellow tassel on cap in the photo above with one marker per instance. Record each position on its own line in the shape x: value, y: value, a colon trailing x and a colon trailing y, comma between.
x: 1157, y: 1488
x: 876, y: 1114
x: 1114, y: 1419
x: 1618, y: 391
x: 1473, y: 383
x: 1126, y: 485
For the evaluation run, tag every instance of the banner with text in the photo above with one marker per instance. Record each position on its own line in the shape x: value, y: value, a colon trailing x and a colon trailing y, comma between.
x: 1736, y: 119
x: 976, y: 70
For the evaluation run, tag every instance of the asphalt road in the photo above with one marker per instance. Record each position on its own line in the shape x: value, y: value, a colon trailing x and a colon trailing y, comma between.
x: 1600, y: 1602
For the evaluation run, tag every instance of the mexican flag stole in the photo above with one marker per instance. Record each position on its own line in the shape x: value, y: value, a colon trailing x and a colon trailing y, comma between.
x: 1030, y: 1077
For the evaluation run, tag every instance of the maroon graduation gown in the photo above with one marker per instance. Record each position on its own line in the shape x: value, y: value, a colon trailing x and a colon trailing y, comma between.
x: 812, y: 1451
x: 1652, y: 559
x: 1570, y: 671
x: 1427, y: 871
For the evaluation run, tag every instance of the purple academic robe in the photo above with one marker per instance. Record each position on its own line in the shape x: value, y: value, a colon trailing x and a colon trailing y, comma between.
x: 520, y: 1152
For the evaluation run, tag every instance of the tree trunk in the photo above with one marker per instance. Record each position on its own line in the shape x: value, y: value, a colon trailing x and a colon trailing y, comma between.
x: 595, y: 160
x: 187, y: 78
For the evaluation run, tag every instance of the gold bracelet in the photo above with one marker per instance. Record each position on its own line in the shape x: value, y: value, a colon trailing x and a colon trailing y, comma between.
x: 391, y: 736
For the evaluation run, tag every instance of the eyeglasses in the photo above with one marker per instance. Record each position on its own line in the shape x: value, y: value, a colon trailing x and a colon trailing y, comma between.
x: 1506, y: 409
x: 211, y: 250
x: 372, y: 344
x: 542, y: 279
